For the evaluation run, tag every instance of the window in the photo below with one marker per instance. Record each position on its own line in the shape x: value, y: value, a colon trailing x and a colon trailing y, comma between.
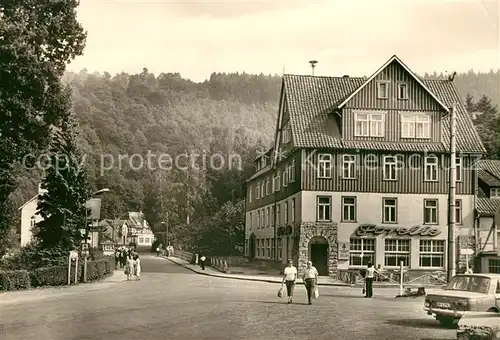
x: 258, y: 247
x: 263, y: 189
x: 285, y: 212
x: 494, y: 266
x: 293, y: 211
x: 432, y: 253
x: 495, y: 193
x: 403, y: 91
x: 415, y: 126
x: 292, y: 172
x: 257, y: 191
x: 430, y: 211
x: 33, y: 222
x: 285, y: 178
x: 348, y: 166
x: 268, y: 186
x: 431, y: 170
x: 397, y: 250
x: 458, y: 168
x: 377, y: 125
x: 141, y: 240
x: 369, y: 124
x: 268, y: 217
x: 324, y: 165
x: 348, y: 209
x: 458, y: 211
x: 268, y: 246
x: 250, y: 194
x: 324, y: 208
x: 390, y: 210
x: 146, y: 240
x: 258, y: 219
x: 361, y: 126
x: 422, y: 126
x: 278, y: 215
x: 382, y: 90
x: 250, y: 221
x: 280, y: 250
x: 361, y: 251
x: 286, y: 134
x: 390, y: 163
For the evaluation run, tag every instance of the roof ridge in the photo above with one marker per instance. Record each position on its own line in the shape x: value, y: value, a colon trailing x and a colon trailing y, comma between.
x: 328, y: 77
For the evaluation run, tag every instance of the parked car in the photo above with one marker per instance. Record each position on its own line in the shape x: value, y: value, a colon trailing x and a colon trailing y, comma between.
x: 467, y: 292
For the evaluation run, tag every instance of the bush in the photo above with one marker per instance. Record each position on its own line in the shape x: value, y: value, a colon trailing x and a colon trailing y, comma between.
x: 52, y: 276
x: 31, y: 257
x: 14, y: 280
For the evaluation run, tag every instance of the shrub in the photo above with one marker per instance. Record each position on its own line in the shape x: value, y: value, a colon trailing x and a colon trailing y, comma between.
x: 32, y: 257
x: 14, y: 280
x: 53, y: 276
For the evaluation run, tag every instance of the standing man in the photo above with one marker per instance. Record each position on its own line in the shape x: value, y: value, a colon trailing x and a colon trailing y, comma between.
x: 370, y: 274
x: 310, y: 280
x: 202, y: 262
x: 289, y: 277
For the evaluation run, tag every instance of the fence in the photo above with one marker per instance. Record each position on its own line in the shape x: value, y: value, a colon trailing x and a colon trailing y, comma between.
x: 219, y: 264
x: 394, y: 277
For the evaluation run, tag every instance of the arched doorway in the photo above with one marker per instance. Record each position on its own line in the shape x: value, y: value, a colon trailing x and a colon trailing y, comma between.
x: 251, y: 247
x: 318, y: 254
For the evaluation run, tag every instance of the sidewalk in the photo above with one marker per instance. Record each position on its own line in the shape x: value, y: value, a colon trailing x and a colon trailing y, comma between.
x: 57, y: 291
x: 209, y: 271
x: 322, y: 280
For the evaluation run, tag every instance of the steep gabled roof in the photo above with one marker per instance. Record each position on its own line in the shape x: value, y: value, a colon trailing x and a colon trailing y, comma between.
x: 489, y: 172
x: 410, y: 72
x: 311, y: 101
x: 30, y: 200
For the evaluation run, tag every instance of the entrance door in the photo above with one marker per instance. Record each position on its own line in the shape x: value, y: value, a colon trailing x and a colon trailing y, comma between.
x: 251, y: 247
x: 319, y: 258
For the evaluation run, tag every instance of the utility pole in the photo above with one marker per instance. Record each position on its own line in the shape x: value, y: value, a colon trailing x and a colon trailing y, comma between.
x: 166, y: 230
x: 451, y: 203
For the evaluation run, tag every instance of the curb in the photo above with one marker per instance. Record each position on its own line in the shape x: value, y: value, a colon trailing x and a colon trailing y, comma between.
x: 248, y: 278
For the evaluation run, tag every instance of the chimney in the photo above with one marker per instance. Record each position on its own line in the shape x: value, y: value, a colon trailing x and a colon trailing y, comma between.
x: 345, y: 76
x: 313, y: 65
x: 40, y: 190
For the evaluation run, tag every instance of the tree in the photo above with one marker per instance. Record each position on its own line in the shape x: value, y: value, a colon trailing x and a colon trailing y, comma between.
x: 37, y: 39
x: 63, y: 205
x: 486, y: 124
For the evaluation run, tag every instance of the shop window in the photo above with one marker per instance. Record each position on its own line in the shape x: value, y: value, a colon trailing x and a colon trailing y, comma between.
x: 397, y: 250
x: 361, y: 251
x: 432, y: 253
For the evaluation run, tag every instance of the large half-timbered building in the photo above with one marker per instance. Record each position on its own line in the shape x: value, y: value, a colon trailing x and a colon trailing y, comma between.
x: 359, y: 173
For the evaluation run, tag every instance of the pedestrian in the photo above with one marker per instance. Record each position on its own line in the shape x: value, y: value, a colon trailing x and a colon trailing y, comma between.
x: 202, y: 262
x: 117, y: 259
x: 310, y: 278
x: 137, y: 266
x: 370, y: 274
x: 130, y: 267
x: 123, y: 258
x: 157, y: 251
x: 289, y: 277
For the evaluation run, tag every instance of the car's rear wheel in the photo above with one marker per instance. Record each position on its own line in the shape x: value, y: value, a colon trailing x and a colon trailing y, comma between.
x: 493, y: 310
x: 446, y: 321
x: 464, y: 336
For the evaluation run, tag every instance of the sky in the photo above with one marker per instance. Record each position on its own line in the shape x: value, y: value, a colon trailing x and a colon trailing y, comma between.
x: 346, y: 37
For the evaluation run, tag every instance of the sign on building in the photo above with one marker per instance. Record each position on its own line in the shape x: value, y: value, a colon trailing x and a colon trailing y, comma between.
x: 343, y: 251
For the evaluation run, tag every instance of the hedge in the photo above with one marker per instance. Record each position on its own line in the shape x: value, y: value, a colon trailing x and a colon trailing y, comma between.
x: 55, y: 275
x: 14, y: 280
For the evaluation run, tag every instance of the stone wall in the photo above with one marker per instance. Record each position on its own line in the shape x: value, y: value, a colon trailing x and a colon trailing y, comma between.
x: 329, y: 232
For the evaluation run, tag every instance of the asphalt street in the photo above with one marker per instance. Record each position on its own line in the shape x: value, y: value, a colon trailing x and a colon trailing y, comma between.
x: 170, y: 302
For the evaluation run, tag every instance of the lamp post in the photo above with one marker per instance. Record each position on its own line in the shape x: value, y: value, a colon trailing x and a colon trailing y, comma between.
x: 96, y: 193
x: 165, y: 223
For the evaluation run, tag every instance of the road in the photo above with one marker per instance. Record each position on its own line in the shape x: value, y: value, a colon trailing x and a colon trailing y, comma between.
x: 170, y: 302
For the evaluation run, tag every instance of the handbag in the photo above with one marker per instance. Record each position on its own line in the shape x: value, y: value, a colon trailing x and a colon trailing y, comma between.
x: 280, y: 292
x: 316, y: 293
x: 126, y: 271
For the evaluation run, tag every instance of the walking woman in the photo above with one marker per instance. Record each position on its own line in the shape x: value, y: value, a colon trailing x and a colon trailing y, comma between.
x: 310, y: 280
x: 137, y: 266
x: 289, y: 277
x: 129, y: 267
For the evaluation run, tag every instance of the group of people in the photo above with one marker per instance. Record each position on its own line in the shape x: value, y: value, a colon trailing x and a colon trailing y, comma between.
x: 129, y: 260
x: 309, y: 276
x: 310, y: 279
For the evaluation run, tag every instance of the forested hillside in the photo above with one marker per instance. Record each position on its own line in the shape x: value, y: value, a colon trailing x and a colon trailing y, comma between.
x: 230, y: 114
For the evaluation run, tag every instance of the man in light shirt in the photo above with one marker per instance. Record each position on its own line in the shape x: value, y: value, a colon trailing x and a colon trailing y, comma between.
x: 370, y: 274
x: 310, y: 280
x: 289, y: 277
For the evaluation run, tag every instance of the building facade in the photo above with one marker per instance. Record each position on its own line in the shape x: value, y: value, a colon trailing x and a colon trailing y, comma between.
x: 359, y: 173
x: 488, y: 207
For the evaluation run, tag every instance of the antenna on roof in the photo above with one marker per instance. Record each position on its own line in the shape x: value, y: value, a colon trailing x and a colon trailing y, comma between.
x: 452, y: 77
x: 313, y: 65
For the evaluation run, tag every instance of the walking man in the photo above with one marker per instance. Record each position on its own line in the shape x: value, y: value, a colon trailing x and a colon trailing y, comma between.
x: 310, y: 280
x: 370, y: 274
x: 202, y: 262
x: 289, y: 277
